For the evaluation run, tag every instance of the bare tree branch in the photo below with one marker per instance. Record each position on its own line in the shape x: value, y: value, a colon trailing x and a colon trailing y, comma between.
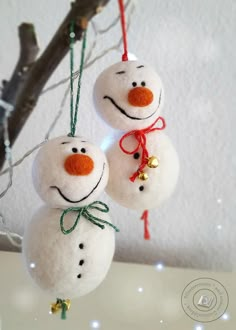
x: 37, y: 74
x: 28, y: 52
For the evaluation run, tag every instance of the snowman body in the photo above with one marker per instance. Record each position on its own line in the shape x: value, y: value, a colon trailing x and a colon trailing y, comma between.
x: 69, y: 173
x: 142, y: 194
x: 67, y: 265
x: 129, y: 96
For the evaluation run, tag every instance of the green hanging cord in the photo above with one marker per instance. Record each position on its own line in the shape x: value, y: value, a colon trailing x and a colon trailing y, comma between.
x: 72, y: 41
x: 63, y: 310
x: 79, y: 80
x: 74, y: 110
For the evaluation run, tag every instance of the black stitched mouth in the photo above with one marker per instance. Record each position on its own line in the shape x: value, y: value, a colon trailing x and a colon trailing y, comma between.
x: 82, y: 199
x: 126, y: 114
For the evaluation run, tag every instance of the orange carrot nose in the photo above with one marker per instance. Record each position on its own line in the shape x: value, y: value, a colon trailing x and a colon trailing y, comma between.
x: 140, y: 97
x: 78, y: 164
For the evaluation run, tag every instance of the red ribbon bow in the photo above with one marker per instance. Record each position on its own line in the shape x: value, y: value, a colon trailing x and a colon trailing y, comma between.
x: 140, y: 136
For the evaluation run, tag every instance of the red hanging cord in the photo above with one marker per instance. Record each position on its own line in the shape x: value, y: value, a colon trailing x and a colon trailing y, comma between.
x: 123, y: 26
x: 144, y: 217
x: 140, y: 136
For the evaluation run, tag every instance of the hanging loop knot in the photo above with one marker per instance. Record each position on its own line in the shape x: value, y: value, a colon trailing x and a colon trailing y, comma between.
x: 61, y: 305
x: 140, y: 136
x: 85, y: 212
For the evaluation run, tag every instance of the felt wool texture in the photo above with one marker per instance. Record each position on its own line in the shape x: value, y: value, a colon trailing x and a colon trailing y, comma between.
x: 72, y: 265
x: 78, y: 165
x: 161, y: 181
x: 69, y: 171
x: 129, y: 95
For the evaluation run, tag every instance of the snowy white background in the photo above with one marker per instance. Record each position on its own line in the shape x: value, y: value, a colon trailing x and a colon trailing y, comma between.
x: 192, y: 46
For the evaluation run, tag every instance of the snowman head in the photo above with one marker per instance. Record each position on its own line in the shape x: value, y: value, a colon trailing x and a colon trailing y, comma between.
x: 69, y: 171
x: 129, y: 95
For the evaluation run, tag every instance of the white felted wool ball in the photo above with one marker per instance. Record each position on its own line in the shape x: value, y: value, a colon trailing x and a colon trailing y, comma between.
x: 129, y: 95
x: 69, y: 171
x: 72, y: 265
x: 157, y: 188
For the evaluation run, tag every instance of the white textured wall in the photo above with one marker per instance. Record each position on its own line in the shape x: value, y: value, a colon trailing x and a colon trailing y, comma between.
x: 192, y: 45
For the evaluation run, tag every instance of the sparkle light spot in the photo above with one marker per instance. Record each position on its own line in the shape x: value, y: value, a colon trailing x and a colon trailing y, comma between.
x: 159, y: 266
x: 225, y: 317
x: 199, y: 327
x: 50, y: 312
x: 140, y: 289
x: 35, y: 319
x: 32, y: 265
x: 161, y: 321
x: 219, y: 200
x: 106, y: 143
x: 132, y: 57
x: 219, y: 227
x: 95, y: 324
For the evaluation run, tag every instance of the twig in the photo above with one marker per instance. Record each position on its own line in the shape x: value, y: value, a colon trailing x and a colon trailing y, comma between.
x: 90, y: 52
x: 25, y: 100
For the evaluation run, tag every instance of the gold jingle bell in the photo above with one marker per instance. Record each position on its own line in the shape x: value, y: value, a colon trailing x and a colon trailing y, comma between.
x: 143, y: 176
x: 56, y: 307
x: 67, y: 303
x: 153, y: 162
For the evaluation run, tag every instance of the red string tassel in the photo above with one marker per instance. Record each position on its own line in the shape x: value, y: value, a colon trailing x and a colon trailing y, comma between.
x: 123, y: 26
x: 140, y: 136
x: 144, y: 217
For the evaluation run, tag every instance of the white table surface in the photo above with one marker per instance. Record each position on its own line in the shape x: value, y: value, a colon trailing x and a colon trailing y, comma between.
x: 132, y: 297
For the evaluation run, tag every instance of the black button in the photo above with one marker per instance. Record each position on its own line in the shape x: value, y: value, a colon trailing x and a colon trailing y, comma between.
x: 136, y: 155
x: 81, y: 246
x: 79, y: 276
x: 81, y: 262
x: 141, y: 188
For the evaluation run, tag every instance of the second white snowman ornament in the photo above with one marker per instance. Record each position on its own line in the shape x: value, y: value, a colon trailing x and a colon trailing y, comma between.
x: 144, y: 165
x: 65, y: 250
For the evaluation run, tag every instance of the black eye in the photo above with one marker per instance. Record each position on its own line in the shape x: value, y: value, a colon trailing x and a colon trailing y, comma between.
x: 134, y: 84
x: 143, y: 83
x: 83, y: 150
x: 141, y: 188
x: 136, y: 155
x: 75, y: 150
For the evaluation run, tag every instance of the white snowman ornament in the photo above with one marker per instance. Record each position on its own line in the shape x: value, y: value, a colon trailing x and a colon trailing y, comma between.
x: 144, y: 165
x: 65, y: 249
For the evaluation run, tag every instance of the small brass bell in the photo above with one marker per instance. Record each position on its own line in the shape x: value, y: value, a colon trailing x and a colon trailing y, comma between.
x: 55, y: 307
x: 153, y: 162
x: 143, y: 176
x: 68, y: 303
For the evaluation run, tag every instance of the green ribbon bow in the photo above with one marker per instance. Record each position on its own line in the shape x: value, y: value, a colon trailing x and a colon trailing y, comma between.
x: 84, y: 211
